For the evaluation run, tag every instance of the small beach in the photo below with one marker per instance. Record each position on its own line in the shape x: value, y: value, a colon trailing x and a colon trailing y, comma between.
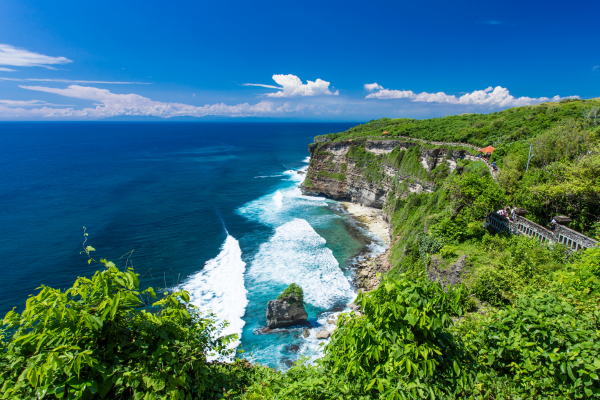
x: 373, y: 218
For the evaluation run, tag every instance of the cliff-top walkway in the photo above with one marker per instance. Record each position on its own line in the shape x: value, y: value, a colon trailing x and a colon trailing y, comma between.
x: 522, y: 226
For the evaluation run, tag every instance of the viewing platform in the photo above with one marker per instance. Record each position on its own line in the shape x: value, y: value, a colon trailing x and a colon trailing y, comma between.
x: 522, y: 226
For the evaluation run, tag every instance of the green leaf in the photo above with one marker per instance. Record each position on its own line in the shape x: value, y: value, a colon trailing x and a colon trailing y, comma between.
x: 59, y: 391
x: 456, y: 367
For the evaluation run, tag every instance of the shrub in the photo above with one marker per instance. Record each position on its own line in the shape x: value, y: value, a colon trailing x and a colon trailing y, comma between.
x: 401, y: 344
x: 100, y: 339
x: 545, y: 344
x: 447, y: 252
x: 308, y: 183
x: 294, y: 293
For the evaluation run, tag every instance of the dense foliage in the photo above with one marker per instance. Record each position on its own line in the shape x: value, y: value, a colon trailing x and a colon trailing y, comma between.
x: 102, y: 339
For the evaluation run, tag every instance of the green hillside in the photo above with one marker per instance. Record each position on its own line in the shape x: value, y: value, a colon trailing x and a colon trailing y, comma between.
x: 495, y: 129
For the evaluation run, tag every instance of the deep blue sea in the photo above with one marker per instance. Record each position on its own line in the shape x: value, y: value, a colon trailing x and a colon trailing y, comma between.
x: 211, y: 207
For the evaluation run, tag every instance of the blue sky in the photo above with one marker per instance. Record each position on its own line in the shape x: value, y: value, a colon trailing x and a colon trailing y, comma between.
x: 87, y: 60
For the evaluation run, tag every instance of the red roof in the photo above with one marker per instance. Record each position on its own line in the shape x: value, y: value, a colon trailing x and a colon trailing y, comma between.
x: 385, y: 133
x: 488, y: 149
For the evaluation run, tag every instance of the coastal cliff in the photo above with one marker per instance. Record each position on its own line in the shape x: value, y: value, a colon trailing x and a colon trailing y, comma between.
x: 367, y: 171
x: 382, y: 174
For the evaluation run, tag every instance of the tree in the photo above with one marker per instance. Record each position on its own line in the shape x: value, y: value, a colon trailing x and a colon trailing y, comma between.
x: 475, y: 193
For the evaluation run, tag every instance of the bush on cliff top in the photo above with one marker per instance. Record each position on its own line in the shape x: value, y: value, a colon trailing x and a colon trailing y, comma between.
x: 293, y: 292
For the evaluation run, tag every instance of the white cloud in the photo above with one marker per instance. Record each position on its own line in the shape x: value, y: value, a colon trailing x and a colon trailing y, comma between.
x: 292, y: 86
x: 595, y: 68
x: 70, y: 81
x: 490, y: 97
x: 261, y: 85
x: 112, y: 105
x: 372, y: 86
x: 28, y: 103
x: 10, y: 55
x: 6, y: 69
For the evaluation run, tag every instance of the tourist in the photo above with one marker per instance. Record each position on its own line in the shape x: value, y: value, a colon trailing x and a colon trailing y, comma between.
x: 553, y: 224
x: 513, y: 213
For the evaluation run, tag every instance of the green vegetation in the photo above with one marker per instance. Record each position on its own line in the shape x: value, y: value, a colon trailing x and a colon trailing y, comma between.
x: 103, y: 339
x: 406, y: 345
x: 293, y: 293
x: 308, y: 182
x: 497, y: 128
x: 371, y: 166
x: 338, y: 176
x: 367, y: 163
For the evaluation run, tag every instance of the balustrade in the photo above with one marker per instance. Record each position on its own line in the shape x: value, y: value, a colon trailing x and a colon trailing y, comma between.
x: 522, y: 226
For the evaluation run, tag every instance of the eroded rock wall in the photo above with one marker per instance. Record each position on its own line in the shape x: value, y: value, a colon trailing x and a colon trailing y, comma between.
x: 335, y: 174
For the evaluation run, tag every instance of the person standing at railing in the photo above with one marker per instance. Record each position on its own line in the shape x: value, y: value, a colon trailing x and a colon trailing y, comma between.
x: 553, y: 224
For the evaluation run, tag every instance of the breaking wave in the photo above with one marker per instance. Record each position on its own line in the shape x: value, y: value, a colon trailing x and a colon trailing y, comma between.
x: 219, y: 287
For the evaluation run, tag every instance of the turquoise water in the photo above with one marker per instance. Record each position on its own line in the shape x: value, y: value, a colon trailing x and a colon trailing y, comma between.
x: 211, y: 207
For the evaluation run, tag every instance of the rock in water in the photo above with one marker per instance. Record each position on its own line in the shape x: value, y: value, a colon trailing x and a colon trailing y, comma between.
x: 323, y: 334
x: 287, y: 309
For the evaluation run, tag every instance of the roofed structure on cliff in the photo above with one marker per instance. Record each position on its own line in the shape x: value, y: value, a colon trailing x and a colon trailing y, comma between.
x: 487, y: 150
x: 385, y: 133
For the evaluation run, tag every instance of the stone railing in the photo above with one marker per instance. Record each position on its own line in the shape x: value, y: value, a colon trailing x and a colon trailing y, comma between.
x: 573, y: 239
x: 522, y: 226
x: 497, y: 222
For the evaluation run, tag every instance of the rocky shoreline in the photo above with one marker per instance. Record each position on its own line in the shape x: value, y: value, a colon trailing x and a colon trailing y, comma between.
x: 367, y: 269
x: 370, y: 270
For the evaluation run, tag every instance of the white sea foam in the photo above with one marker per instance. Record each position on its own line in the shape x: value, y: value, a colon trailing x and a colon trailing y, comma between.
x: 306, y: 160
x: 278, y: 199
x: 280, y: 207
x: 219, y: 287
x: 297, y: 254
x: 267, y: 176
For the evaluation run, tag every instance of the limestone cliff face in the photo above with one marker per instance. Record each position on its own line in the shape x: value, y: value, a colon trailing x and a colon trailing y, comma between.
x: 364, y: 171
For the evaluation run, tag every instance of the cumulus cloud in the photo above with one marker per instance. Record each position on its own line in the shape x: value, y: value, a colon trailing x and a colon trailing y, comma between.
x: 372, y: 86
x: 113, y: 104
x: 10, y: 55
x: 490, y: 97
x: 292, y: 86
x: 70, y: 81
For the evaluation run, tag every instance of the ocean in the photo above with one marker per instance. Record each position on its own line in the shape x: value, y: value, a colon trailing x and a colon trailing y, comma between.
x: 213, y: 208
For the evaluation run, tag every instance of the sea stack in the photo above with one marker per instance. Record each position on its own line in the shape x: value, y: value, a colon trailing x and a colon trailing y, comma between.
x: 287, y: 309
